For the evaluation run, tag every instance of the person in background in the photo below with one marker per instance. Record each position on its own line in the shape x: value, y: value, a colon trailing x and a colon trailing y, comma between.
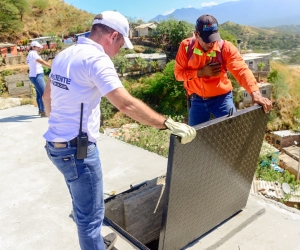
x: 36, y: 73
x: 80, y: 76
x: 204, y: 73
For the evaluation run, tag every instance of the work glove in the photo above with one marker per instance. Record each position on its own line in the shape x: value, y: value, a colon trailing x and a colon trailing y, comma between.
x: 184, y: 131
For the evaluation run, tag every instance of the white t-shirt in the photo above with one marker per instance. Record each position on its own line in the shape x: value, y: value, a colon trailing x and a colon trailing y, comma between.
x: 82, y: 73
x: 34, y: 67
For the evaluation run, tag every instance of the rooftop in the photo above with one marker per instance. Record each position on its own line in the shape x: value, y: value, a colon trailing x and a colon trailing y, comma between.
x: 36, y: 207
x: 252, y: 56
x: 147, y: 56
x: 5, y: 45
x: 284, y: 133
x: 146, y: 25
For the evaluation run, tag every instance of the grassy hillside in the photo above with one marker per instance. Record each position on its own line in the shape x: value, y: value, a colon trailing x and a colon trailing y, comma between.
x: 241, y: 30
x: 48, y: 17
x: 286, y: 106
x: 286, y: 29
x: 292, y: 77
x: 259, y: 39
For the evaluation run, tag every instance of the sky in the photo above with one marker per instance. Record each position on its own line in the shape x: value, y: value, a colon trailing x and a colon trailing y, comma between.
x: 141, y: 9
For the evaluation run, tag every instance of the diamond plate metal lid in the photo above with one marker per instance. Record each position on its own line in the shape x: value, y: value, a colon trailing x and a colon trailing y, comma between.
x: 209, y: 179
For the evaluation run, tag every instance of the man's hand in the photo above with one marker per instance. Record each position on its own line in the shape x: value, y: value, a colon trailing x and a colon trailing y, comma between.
x: 184, y: 131
x: 259, y: 99
x: 209, y: 70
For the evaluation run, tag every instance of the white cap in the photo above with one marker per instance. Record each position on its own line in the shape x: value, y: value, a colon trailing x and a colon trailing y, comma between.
x: 118, y: 22
x: 36, y: 44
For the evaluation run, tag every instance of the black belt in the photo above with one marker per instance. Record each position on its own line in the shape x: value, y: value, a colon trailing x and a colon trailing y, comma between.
x: 203, y: 98
x: 64, y: 144
x: 206, y: 98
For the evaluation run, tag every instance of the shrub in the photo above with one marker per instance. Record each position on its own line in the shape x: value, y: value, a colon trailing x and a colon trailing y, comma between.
x: 46, y: 71
x: 163, y: 92
x: 7, y: 72
x: 148, y: 138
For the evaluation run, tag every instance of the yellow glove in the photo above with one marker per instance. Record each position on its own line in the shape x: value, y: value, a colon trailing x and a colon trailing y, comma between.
x: 184, y: 131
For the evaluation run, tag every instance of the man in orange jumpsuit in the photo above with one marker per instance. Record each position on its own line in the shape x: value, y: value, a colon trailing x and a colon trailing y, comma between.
x: 204, y: 72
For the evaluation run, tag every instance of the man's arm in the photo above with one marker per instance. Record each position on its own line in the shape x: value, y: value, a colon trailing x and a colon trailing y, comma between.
x: 47, y: 99
x: 142, y: 113
x: 239, y: 69
x: 259, y: 99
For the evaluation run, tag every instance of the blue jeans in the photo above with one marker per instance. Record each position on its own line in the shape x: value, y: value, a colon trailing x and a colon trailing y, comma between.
x: 202, y: 109
x: 84, y: 180
x: 39, y: 85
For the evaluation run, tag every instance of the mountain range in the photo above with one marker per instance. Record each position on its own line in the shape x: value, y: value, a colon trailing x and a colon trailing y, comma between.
x: 257, y: 13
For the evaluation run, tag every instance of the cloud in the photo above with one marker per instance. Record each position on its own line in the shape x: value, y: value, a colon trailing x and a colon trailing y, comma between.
x: 168, y: 12
x: 208, y: 4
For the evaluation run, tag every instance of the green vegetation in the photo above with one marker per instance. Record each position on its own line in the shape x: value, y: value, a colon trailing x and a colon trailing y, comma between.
x: 3, y: 87
x: 163, y: 92
x: 260, y: 66
x: 265, y: 172
x: 259, y: 39
x: 11, y: 15
x: 148, y: 138
x: 20, y: 84
x: 38, y: 16
x: 285, y: 95
x: 173, y: 31
x: 141, y: 63
x: 279, y: 86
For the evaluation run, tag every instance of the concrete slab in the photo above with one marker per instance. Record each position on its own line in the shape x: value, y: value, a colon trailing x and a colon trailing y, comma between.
x: 278, y: 228
x: 35, y: 204
x: 215, y: 238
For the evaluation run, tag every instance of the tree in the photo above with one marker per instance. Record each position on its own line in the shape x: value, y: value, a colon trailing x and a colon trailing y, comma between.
x: 122, y: 63
x: 22, y: 6
x: 41, y: 4
x: 260, y: 66
x: 174, y: 31
x: 154, y: 65
x: 142, y: 63
x: 164, y: 93
x: 9, y: 18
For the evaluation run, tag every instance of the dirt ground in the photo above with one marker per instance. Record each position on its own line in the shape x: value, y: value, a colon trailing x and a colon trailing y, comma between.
x: 22, y: 67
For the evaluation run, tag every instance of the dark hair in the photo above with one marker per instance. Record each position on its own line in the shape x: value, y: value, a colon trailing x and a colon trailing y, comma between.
x: 100, y: 28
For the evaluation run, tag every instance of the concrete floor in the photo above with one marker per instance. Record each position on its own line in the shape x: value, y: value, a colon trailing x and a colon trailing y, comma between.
x: 35, y: 204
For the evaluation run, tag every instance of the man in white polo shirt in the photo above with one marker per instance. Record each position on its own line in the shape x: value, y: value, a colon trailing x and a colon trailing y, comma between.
x: 80, y: 76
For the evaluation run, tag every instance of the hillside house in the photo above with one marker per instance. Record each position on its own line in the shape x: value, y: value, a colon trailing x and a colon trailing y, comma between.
x: 289, y: 159
x: 8, y: 49
x: 253, y: 59
x: 264, y: 88
x: 146, y: 29
x: 161, y: 59
x: 283, y: 138
x: 48, y: 42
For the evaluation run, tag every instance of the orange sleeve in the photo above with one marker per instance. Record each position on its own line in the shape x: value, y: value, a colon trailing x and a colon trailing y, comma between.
x: 182, y: 71
x: 238, y: 68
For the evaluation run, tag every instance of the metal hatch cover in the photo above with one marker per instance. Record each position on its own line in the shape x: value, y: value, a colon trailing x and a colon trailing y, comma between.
x: 209, y: 179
